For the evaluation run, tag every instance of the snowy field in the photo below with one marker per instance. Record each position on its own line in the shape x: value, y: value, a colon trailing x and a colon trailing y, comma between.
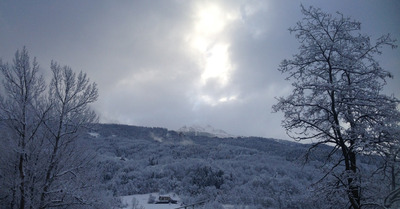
x: 142, y: 202
x: 143, y: 199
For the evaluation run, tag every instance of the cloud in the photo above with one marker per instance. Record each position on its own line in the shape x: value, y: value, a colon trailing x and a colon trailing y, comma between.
x: 174, y: 63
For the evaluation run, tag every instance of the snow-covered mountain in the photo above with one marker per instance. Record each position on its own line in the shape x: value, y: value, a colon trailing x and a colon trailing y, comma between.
x: 239, y: 172
x: 198, y: 130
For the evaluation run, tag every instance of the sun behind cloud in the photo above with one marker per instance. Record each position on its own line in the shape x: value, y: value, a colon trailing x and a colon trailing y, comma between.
x: 210, y: 19
x: 208, y: 42
x: 218, y: 65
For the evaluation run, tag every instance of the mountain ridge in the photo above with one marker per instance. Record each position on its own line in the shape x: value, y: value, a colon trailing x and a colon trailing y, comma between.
x: 208, y: 130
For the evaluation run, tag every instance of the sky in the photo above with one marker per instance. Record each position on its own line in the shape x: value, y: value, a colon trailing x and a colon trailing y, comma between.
x: 170, y: 63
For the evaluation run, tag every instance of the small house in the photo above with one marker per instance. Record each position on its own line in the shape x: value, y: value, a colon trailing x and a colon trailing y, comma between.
x: 165, y: 200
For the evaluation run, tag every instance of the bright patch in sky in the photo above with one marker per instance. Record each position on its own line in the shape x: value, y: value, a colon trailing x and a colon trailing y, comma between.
x: 217, y: 65
x: 211, y: 20
x: 227, y: 99
x: 212, y: 49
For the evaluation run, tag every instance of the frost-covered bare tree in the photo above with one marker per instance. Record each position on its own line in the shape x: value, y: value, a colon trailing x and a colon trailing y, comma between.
x: 337, y: 93
x: 22, y: 116
x: 44, y: 163
x: 69, y: 97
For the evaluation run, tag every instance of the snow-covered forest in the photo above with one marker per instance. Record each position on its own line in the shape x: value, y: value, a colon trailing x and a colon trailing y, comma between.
x: 242, y: 171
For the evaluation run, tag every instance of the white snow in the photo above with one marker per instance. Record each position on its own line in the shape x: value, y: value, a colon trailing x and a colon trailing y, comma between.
x: 143, y: 199
x: 94, y: 134
x: 156, y: 138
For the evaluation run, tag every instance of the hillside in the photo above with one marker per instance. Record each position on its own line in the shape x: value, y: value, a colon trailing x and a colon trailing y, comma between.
x: 261, y: 172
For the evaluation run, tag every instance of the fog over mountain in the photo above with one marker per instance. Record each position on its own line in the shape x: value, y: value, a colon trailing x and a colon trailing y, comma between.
x: 207, y: 130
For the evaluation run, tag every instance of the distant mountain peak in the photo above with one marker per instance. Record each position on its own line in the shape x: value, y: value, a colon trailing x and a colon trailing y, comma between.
x: 208, y: 130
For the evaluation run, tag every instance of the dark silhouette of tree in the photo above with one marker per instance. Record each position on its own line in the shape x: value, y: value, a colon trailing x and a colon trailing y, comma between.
x: 337, y: 93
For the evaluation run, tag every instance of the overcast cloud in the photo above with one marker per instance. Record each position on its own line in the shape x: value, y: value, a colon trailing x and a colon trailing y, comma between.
x: 171, y: 63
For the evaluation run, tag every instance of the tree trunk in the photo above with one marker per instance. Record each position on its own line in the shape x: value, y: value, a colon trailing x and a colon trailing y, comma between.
x: 48, y: 180
x: 53, y: 162
x: 22, y: 179
x: 354, y: 188
x: 393, y: 175
x: 351, y: 169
